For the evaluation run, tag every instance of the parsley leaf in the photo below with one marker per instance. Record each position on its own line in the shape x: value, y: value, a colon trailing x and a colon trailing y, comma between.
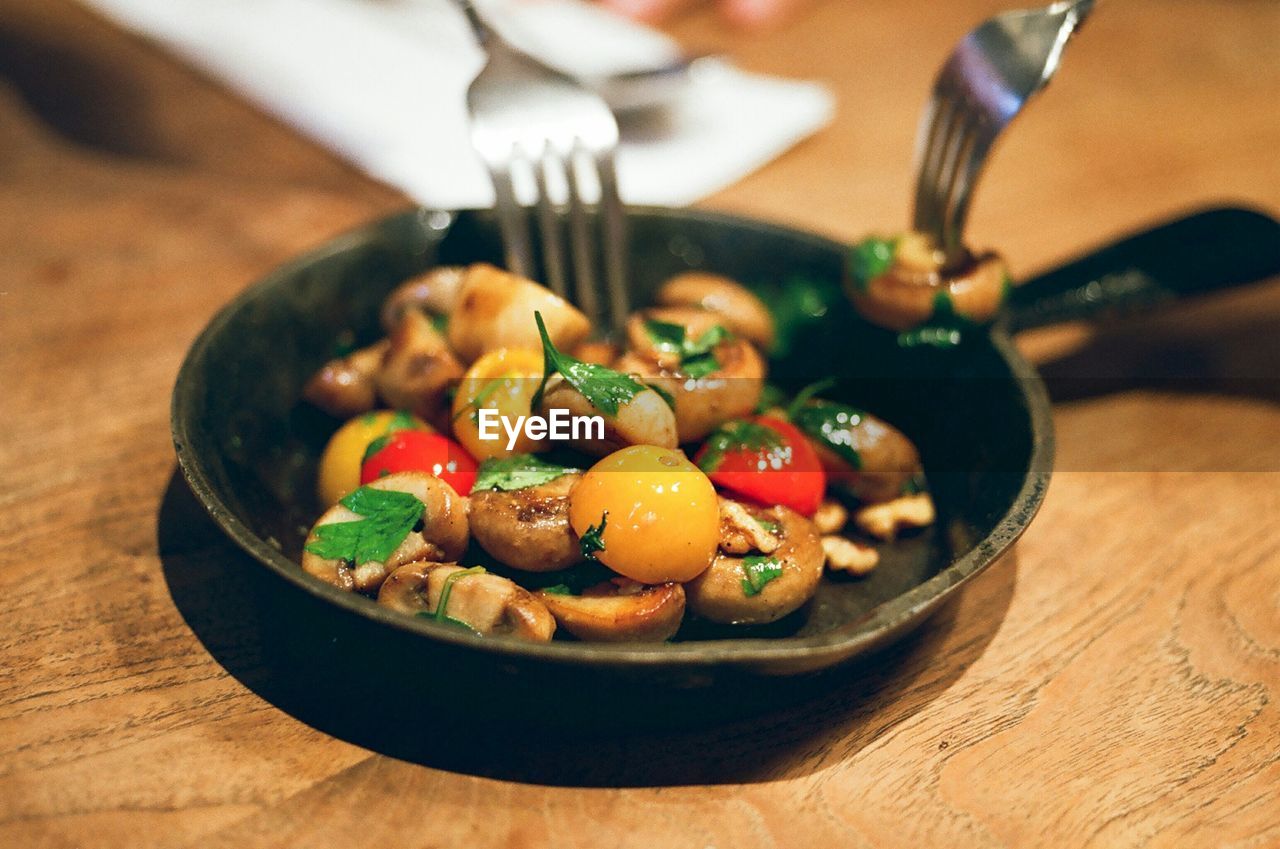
x: 592, y: 542
x: 519, y: 471
x: 697, y: 357
x: 738, y: 436
x: 387, y: 518
x: 757, y: 571
x: 832, y: 425
x: 606, y: 389
x: 807, y: 393
x: 869, y: 259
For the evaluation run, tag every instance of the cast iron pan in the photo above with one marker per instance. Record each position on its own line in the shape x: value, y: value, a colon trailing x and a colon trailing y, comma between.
x: 979, y: 413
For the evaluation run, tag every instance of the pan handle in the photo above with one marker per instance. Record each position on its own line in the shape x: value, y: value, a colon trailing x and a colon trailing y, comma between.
x: 1207, y: 251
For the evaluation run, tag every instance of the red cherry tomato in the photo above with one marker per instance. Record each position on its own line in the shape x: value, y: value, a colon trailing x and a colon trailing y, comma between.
x: 419, y: 451
x: 766, y: 460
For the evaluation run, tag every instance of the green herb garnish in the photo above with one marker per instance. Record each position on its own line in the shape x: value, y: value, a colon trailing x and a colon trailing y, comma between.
x: 737, y: 436
x: 799, y: 306
x: 769, y: 525
x: 869, y: 259
x: 806, y: 394
x: 558, y: 589
x: 758, y: 570
x: 387, y: 518
x: 592, y: 542
x: 697, y: 357
x: 770, y: 396
x: 520, y: 471
x: 604, y: 388
x: 945, y: 327
x: 831, y: 425
x: 441, y: 613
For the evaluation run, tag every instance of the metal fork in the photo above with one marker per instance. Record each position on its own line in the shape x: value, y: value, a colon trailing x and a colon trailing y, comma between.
x: 986, y: 81
x: 526, y: 115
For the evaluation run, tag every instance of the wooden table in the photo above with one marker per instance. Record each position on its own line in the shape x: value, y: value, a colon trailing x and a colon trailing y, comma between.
x: 1117, y: 682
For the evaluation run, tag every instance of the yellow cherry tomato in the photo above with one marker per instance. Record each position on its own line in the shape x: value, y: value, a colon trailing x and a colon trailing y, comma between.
x: 660, y: 514
x: 339, y: 471
x: 503, y: 380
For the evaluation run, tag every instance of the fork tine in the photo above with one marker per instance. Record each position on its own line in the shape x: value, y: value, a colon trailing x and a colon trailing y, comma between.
x: 580, y: 244
x: 615, y: 238
x: 938, y: 126
x: 549, y: 222
x: 511, y: 217
x: 967, y: 176
x: 956, y: 154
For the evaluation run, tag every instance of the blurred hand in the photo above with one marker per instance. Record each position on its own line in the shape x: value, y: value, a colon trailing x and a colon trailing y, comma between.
x: 744, y: 13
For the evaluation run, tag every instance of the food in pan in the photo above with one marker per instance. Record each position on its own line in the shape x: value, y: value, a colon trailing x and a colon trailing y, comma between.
x: 502, y: 471
x: 907, y: 281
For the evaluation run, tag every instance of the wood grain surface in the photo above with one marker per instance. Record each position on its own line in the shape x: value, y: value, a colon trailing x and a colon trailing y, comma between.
x: 1115, y: 683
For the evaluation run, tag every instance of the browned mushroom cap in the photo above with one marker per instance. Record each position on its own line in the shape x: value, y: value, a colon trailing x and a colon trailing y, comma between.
x: 442, y: 536
x: 417, y: 370
x: 489, y: 604
x: 642, y: 342
x: 345, y: 387
x: 600, y: 353
x: 434, y: 292
x: 907, y: 294
x: 735, y: 305
x: 719, y: 594
x: 644, y: 420
x: 494, y: 309
x: 705, y: 403
x: 886, y: 459
x: 619, y: 611
x: 528, y: 528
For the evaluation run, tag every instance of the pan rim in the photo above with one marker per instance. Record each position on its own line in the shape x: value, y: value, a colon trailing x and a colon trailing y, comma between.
x: 815, y: 651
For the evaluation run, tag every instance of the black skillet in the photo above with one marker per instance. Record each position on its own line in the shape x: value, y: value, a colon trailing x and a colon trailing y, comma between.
x: 979, y: 413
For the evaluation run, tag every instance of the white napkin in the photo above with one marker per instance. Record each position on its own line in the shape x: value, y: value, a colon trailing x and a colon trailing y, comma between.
x: 382, y: 83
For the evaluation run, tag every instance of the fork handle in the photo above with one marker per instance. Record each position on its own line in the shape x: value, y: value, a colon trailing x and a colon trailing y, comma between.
x: 1210, y: 250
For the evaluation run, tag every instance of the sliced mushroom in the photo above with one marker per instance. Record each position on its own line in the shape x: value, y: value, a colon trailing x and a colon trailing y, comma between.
x: 909, y: 292
x: 721, y: 594
x: 418, y: 369
x: 345, y: 387
x: 861, y: 453
x: 528, y: 528
x: 703, y: 404
x: 494, y: 309
x: 734, y: 304
x: 619, y: 611
x: 644, y: 420
x: 488, y: 604
x: 434, y: 292
x: 442, y: 536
